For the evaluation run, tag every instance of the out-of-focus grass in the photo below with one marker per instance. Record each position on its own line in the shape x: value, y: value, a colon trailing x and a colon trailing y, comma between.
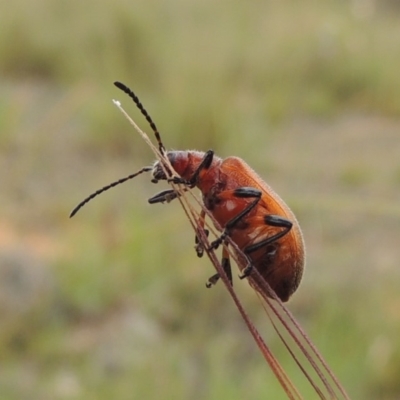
x: 197, y: 63
x: 112, y: 303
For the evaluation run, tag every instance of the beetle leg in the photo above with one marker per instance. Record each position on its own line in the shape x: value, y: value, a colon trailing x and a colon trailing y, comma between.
x: 205, y: 164
x: 243, y: 192
x: 226, y: 265
x: 272, y: 220
x: 165, y: 196
x: 212, y: 280
x: 199, y: 247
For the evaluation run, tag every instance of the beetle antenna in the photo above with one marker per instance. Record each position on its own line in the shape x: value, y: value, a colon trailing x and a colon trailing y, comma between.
x: 103, y: 189
x: 139, y: 105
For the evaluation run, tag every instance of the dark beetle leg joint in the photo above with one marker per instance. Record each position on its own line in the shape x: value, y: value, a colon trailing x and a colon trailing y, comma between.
x: 226, y: 266
x: 216, y: 243
x: 243, y: 192
x: 199, y: 245
x: 212, y: 280
x: 246, y: 272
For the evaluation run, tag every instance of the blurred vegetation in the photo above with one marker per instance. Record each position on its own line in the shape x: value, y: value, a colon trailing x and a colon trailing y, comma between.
x: 112, y: 304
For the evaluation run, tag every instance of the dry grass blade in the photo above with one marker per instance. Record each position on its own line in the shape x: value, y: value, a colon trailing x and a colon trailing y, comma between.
x: 302, y: 341
x: 285, y: 322
x: 277, y: 369
x: 333, y: 389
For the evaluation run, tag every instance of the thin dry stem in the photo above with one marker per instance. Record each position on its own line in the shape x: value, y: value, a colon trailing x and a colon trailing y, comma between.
x: 193, y: 217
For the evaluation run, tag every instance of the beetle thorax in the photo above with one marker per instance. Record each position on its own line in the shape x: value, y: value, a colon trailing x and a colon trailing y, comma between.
x: 184, y: 162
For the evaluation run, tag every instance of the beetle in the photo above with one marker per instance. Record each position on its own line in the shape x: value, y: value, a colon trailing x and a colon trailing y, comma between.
x: 247, y: 209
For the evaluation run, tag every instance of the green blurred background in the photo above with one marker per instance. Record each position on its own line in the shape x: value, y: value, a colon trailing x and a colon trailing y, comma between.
x: 112, y: 304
